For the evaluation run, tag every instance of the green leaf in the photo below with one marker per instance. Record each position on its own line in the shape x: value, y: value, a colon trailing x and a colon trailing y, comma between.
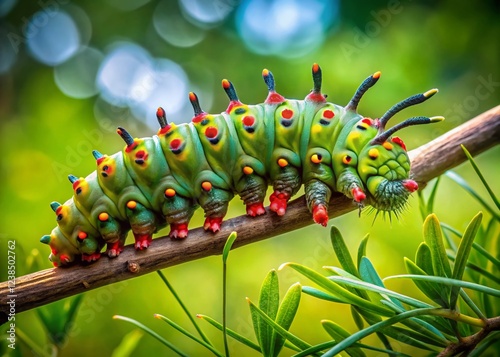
x: 358, y: 320
x: 285, y: 316
x: 463, y: 255
x: 183, y: 306
x: 231, y: 333
x: 337, y: 290
x: 369, y: 274
x: 58, y: 317
x: 349, y: 341
x: 481, y: 177
x: 434, y: 239
x: 269, y: 304
x: 423, y: 258
x: 432, y: 197
x: 321, y: 294
x: 362, y: 248
x: 420, y: 326
x: 449, y: 282
x: 152, y: 333
x: 128, y: 344
x: 339, y: 334
x: 371, y: 287
x: 188, y: 334
x: 225, y: 253
x: 227, y: 247
x: 434, y: 292
x: 38, y: 350
x: 273, y: 325
x: 342, y: 252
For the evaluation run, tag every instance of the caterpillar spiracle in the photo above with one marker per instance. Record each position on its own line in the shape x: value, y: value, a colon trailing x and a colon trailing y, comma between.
x: 284, y: 143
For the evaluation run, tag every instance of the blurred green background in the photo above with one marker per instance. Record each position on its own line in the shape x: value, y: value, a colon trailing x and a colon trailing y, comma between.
x: 71, y: 71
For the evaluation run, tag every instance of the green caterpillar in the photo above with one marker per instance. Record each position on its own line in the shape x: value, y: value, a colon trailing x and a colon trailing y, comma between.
x: 285, y: 143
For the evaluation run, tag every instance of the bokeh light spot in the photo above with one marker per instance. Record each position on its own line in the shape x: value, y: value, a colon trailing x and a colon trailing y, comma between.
x: 52, y: 37
x: 116, y: 78
x: 206, y: 14
x: 174, y: 28
x: 76, y: 77
x: 285, y: 28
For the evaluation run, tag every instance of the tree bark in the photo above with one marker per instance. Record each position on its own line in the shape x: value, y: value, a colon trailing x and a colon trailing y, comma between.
x: 43, y: 287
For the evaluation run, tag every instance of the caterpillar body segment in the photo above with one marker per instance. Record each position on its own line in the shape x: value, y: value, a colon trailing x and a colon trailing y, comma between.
x: 161, y: 180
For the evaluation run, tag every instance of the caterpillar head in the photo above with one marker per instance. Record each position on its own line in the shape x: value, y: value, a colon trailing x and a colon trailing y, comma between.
x: 62, y: 251
x: 384, y: 167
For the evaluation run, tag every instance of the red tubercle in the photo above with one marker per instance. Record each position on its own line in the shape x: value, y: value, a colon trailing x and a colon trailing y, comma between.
x: 232, y: 105
x: 225, y: 84
x: 248, y: 120
x: 58, y: 210
x: 175, y: 144
x: 316, y: 97
x: 164, y: 130
x: 211, y: 132
x: 76, y: 184
x: 410, y: 185
x: 328, y: 114
x: 274, y: 98
x: 399, y: 141
x: 99, y: 160
x: 367, y: 121
x: 315, y: 68
x: 320, y: 215
x: 358, y: 194
x: 198, y: 118
x: 141, y: 154
x: 287, y: 113
x: 131, y: 147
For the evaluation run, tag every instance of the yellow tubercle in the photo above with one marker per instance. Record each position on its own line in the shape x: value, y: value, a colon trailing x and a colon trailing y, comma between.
x: 387, y: 145
x: 316, y: 129
x: 373, y: 153
x: 316, y: 158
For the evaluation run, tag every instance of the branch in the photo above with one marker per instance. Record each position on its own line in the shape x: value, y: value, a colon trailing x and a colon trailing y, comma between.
x: 43, y: 287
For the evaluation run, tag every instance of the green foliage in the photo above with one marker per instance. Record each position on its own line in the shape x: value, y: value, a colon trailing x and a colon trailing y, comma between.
x: 454, y: 315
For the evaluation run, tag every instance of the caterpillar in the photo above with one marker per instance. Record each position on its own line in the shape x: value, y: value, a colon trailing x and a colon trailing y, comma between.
x: 161, y: 180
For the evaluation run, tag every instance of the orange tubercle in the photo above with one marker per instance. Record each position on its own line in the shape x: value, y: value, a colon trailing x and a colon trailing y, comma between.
x: 82, y: 235
x: 225, y: 84
x: 103, y: 217
x: 170, y: 192
x: 265, y: 72
x: 247, y: 170
x: 206, y: 185
x: 282, y: 162
x: 377, y: 74
x: 315, y: 67
x: 131, y: 204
